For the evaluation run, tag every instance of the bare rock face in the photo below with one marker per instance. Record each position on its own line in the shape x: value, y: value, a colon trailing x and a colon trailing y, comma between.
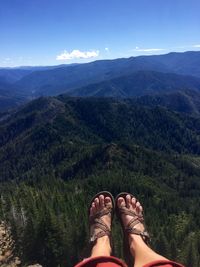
x: 7, y: 257
x: 7, y: 245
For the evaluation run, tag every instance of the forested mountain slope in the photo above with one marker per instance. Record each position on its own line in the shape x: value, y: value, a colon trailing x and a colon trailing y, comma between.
x: 139, y: 84
x: 55, y: 153
x: 12, y: 75
x: 9, y: 96
x: 185, y: 101
x: 49, y: 121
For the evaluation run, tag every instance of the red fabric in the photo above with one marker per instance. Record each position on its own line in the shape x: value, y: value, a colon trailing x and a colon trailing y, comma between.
x: 102, y: 261
x: 115, y: 262
x: 163, y: 263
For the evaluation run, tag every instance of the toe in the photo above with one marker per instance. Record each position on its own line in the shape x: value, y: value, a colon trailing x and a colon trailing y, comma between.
x: 138, y: 207
x: 101, y: 200
x: 96, y: 201
x: 128, y: 201
x: 141, y: 210
x: 121, y: 202
x: 108, y: 201
x: 93, y: 208
x: 133, y: 201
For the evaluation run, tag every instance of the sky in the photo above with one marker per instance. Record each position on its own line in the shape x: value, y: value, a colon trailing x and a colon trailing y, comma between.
x: 53, y: 32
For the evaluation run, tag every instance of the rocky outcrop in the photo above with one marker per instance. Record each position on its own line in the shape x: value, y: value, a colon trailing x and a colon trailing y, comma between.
x: 7, y: 245
x: 7, y: 257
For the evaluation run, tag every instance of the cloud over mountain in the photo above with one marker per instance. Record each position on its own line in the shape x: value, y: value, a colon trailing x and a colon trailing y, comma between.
x: 77, y: 54
x: 148, y: 49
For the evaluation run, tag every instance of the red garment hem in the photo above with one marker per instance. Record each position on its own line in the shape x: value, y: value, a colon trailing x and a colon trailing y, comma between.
x: 111, y: 261
x: 163, y: 263
x: 101, y: 261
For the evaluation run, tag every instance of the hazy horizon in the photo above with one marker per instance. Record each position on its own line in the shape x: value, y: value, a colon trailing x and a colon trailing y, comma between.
x: 32, y: 66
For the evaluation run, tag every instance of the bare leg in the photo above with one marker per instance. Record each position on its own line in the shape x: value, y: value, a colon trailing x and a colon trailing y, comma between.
x: 102, y: 246
x: 139, y: 250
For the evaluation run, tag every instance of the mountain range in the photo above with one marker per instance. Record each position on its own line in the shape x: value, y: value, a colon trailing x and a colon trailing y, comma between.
x: 125, y: 77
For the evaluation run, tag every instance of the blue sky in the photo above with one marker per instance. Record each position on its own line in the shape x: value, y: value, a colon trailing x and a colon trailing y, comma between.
x: 51, y: 32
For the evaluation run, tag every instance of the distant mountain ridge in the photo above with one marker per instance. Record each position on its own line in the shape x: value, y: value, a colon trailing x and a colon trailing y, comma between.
x: 12, y: 75
x: 61, y: 80
x: 124, y: 77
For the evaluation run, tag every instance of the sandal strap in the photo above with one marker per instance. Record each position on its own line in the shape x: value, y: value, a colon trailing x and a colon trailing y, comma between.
x: 133, y: 222
x: 126, y: 211
x: 105, y: 211
x: 137, y: 218
x: 100, y: 224
x: 144, y: 234
x: 97, y: 223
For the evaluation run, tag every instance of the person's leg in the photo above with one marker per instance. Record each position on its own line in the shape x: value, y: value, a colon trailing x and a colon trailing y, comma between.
x: 138, y: 248
x: 102, y: 247
x: 101, y: 211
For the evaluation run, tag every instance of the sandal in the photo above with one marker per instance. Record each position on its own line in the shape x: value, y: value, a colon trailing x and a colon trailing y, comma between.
x: 130, y: 227
x: 98, y: 228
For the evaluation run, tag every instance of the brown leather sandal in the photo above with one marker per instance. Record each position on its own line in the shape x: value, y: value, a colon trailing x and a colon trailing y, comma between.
x: 130, y: 227
x: 98, y: 228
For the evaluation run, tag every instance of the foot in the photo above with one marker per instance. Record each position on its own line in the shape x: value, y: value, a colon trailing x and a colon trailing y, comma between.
x: 101, y: 235
x: 98, y: 206
x: 139, y: 250
x: 131, y: 204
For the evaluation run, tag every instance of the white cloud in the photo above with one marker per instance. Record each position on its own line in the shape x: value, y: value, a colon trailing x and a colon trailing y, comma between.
x: 107, y: 49
x: 75, y: 54
x: 148, y: 49
x: 196, y: 46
